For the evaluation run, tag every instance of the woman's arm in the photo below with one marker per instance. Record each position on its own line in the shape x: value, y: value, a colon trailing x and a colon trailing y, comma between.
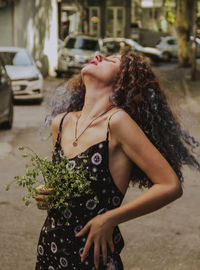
x: 166, y: 186
x: 142, y: 152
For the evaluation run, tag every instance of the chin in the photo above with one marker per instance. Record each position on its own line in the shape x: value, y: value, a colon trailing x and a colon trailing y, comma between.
x: 87, y: 70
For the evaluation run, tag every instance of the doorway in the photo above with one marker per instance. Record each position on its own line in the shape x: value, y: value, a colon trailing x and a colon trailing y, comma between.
x: 115, y: 21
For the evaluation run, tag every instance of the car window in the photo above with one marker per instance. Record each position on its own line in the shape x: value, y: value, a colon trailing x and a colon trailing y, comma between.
x: 16, y: 58
x: 112, y: 46
x: 172, y: 41
x: 159, y: 41
x: 83, y: 44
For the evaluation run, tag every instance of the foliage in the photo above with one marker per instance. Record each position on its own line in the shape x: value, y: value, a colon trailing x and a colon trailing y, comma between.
x: 171, y: 17
x: 65, y: 181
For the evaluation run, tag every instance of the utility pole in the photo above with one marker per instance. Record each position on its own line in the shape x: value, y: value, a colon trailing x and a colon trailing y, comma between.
x: 194, y: 44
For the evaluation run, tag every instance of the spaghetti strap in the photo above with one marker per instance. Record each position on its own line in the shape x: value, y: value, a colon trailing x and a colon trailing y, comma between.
x: 60, y: 126
x: 108, y: 126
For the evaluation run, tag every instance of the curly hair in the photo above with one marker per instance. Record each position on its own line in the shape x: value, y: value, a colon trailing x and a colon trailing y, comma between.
x: 137, y: 91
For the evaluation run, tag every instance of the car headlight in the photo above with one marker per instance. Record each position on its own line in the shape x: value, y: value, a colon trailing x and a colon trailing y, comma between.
x: 79, y: 58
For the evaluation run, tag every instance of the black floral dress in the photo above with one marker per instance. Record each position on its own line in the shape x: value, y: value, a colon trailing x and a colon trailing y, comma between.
x: 58, y: 248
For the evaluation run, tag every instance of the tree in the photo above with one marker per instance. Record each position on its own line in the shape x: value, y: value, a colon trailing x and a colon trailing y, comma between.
x: 183, y: 28
x: 194, y: 45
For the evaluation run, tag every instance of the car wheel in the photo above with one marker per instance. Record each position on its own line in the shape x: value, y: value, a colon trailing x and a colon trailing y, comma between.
x: 8, y: 124
x: 166, y: 56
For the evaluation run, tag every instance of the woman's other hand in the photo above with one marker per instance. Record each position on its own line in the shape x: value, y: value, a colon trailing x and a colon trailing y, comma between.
x: 42, y: 197
x: 100, y: 234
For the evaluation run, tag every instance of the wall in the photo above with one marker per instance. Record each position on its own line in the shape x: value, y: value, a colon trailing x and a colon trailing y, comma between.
x: 37, y: 31
x: 32, y: 24
x: 6, y: 37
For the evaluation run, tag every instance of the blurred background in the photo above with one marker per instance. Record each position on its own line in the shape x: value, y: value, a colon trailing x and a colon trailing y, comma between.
x: 42, y: 44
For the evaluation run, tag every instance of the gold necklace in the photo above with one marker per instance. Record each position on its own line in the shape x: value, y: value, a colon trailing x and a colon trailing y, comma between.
x: 75, y: 142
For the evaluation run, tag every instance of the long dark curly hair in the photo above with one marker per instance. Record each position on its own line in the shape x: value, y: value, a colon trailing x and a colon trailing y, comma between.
x: 137, y: 91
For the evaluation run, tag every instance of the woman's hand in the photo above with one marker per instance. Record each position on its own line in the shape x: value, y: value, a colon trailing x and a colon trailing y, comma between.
x: 100, y: 234
x: 42, y: 197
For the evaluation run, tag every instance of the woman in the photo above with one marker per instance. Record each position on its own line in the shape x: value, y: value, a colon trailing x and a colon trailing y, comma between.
x: 119, y: 118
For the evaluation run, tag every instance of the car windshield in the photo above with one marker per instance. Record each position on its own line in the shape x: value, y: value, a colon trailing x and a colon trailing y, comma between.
x: 82, y: 43
x: 16, y: 58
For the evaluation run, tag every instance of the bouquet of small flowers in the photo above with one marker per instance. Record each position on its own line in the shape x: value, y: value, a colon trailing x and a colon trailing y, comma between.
x: 60, y: 177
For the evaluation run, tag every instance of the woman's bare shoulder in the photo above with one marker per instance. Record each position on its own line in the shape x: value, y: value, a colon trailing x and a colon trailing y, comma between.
x: 57, y: 119
x: 119, y: 116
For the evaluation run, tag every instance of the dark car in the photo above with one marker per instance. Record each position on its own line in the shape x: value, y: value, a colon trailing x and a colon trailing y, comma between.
x: 6, y: 99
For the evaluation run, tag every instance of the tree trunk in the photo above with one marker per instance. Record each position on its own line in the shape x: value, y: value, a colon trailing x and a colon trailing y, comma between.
x: 183, y: 31
x: 194, y: 44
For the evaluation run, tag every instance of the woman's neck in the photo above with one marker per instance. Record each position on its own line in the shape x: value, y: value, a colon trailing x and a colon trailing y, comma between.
x: 96, y: 101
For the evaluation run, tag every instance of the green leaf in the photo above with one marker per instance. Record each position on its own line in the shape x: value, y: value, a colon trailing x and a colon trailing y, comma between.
x: 7, y: 187
x: 27, y: 203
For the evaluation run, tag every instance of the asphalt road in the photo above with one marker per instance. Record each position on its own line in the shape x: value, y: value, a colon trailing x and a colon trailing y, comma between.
x: 168, y: 239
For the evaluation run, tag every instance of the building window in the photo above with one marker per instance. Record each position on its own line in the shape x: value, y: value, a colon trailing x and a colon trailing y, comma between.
x: 115, y: 21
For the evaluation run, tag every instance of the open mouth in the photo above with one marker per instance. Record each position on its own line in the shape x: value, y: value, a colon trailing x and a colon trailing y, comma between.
x: 93, y: 62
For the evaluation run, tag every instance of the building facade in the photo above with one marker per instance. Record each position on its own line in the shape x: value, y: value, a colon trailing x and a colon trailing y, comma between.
x: 101, y: 18
x: 31, y: 24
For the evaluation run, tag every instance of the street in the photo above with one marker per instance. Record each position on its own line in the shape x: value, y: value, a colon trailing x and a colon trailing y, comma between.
x: 168, y: 239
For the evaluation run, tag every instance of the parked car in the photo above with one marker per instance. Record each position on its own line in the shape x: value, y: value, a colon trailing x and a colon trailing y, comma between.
x: 76, y: 52
x: 26, y: 79
x: 113, y: 45
x: 6, y: 99
x: 169, y: 47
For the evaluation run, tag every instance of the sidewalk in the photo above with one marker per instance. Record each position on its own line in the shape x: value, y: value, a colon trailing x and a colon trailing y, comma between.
x: 187, y: 91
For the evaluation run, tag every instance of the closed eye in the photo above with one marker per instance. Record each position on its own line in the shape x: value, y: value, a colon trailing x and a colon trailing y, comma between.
x: 114, y: 59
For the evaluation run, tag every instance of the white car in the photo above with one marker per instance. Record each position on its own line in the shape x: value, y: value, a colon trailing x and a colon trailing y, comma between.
x: 76, y: 52
x: 113, y: 45
x: 26, y: 79
x: 168, y: 46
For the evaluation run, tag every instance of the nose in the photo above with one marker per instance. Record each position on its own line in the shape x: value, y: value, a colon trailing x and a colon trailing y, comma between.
x: 98, y: 57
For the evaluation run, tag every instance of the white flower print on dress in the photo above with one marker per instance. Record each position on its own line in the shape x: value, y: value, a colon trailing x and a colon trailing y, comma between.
x: 77, y: 229
x: 40, y: 250
x: 96, y: 159
x: 81, y: 251
x: 90, y: 204
x: 51, y: 268
x: 54, y: 247
x: 63, y: 262
x: 67, y: 214
x: 70, y: 165
x: 61, y: 153
x: 116, y: 200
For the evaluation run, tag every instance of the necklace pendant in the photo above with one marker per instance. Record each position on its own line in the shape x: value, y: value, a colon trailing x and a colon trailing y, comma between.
x: 75, y: 143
